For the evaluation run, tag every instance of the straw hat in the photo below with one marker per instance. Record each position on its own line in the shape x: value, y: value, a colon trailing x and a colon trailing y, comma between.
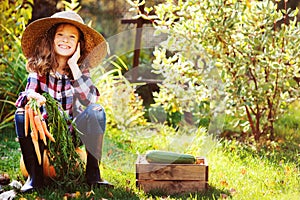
x: 95, y: 44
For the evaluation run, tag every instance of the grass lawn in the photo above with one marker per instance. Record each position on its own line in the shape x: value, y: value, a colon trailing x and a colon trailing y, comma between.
x: 236, y: 171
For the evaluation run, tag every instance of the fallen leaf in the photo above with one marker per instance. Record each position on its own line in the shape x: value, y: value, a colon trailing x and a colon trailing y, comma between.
x: 224, y: 196
x: 39, y: 198
x: 89, y: 193
x: 109, y: 152
x: 67, y: 195
x: 287, y: 170
x: 4, y: 179
x: 224, y: 183
x: 243, y: 171
x: 232, y: 191
x: 77, y: 194
x: 72, y: 195
x: 128, y: 189
x: 110, y: 194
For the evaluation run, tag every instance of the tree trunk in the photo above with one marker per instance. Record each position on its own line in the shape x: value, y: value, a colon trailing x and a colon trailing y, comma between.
x: 43, y: 8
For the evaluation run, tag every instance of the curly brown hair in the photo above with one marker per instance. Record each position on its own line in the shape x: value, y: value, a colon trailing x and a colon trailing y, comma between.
x: 44, y: 59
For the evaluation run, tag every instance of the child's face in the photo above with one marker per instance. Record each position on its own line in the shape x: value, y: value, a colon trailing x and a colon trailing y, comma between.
x: 65, y: 40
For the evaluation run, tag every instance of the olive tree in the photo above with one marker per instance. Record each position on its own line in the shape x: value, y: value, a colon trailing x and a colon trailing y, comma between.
x: 257, y: 57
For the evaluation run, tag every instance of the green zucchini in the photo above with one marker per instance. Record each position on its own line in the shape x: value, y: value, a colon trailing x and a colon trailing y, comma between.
x: 168, y: 157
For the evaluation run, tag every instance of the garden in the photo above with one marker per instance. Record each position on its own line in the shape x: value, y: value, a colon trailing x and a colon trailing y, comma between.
x: 226, y: 76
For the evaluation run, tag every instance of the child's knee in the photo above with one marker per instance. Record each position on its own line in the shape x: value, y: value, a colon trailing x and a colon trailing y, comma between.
x: 97, y: 112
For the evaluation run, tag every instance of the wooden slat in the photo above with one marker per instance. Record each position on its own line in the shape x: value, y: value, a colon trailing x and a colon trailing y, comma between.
x: 172, y: 187
x: 171, y: 172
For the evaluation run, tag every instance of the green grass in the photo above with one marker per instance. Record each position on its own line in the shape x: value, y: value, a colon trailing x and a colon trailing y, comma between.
x: 246, y: 175
x: 236, y: 171
x: 9, y: 153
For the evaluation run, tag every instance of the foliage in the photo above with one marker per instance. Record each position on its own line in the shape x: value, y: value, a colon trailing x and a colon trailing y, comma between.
x: 182, y: 89
x: 139, y: 139
x: 123, y: 107
x: 257, y: 60
x: 74, y: 5
x: 62, y: 155
x: 14, y: 17
x: 107, y: 15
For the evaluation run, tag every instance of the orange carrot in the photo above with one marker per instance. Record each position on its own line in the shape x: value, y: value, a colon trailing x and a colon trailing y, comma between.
x: 47, y: 133
x: 38, y: 124
x: 36, y: 147
x: 26, y: 122
x: 32, y: 124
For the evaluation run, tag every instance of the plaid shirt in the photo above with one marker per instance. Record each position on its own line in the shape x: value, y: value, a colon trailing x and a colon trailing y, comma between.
x: 71, y: 94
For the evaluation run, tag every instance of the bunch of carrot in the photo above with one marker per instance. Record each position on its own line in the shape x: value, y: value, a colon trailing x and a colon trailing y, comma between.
x: 62, y: 153
x: 38, y: 126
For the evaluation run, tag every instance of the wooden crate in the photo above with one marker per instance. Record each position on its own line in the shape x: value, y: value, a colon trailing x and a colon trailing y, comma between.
x: 171, y: 178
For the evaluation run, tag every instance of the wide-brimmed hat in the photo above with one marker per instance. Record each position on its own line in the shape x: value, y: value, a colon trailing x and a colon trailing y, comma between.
x: 95, y: 44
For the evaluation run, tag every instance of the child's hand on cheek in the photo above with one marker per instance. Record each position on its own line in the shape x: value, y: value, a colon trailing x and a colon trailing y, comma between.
x: 72, y: 62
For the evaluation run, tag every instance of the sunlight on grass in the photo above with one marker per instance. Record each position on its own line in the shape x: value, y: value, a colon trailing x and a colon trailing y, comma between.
x: 236, y: 171
x: 121, y: 150
x: 250, y: 177
x: 288, y: 126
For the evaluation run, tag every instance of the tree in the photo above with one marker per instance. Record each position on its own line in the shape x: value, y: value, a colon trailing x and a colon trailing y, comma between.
x: 257, y: 60
x: 43, y: 8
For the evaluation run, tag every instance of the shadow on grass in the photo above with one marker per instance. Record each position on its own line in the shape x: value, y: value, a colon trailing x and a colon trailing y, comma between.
x: 9, y: 164
x: 210, y: 193
x: 81, y: 191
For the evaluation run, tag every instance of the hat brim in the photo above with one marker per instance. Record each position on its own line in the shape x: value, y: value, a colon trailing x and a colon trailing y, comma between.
x: 95, y: 44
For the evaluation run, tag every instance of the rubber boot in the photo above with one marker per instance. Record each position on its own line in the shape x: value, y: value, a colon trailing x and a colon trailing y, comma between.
x: 35, y: 170
x: 93, y: 175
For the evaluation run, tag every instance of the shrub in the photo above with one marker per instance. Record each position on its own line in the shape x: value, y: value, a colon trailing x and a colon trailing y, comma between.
x: 14, y: 17
x: 123, y: 107
x: 257, y: 57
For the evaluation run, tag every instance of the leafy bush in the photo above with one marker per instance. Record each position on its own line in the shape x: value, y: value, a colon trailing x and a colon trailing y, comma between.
x: 257, y: 59
x: 183, y: 89
x: 123, y: 107
x: 14, y: 17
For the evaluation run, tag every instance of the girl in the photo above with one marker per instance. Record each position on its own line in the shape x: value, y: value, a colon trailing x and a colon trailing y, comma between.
x: 60, y: 49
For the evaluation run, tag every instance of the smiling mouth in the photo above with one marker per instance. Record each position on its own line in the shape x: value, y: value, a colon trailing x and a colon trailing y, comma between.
x: 64, y: 46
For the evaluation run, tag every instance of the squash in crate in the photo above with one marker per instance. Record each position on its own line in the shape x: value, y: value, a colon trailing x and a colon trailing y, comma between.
x: 171, y: 173
x: 158, y: 156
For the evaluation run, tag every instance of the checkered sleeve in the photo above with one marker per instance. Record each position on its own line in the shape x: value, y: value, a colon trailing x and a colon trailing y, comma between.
x: 32, y: 85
